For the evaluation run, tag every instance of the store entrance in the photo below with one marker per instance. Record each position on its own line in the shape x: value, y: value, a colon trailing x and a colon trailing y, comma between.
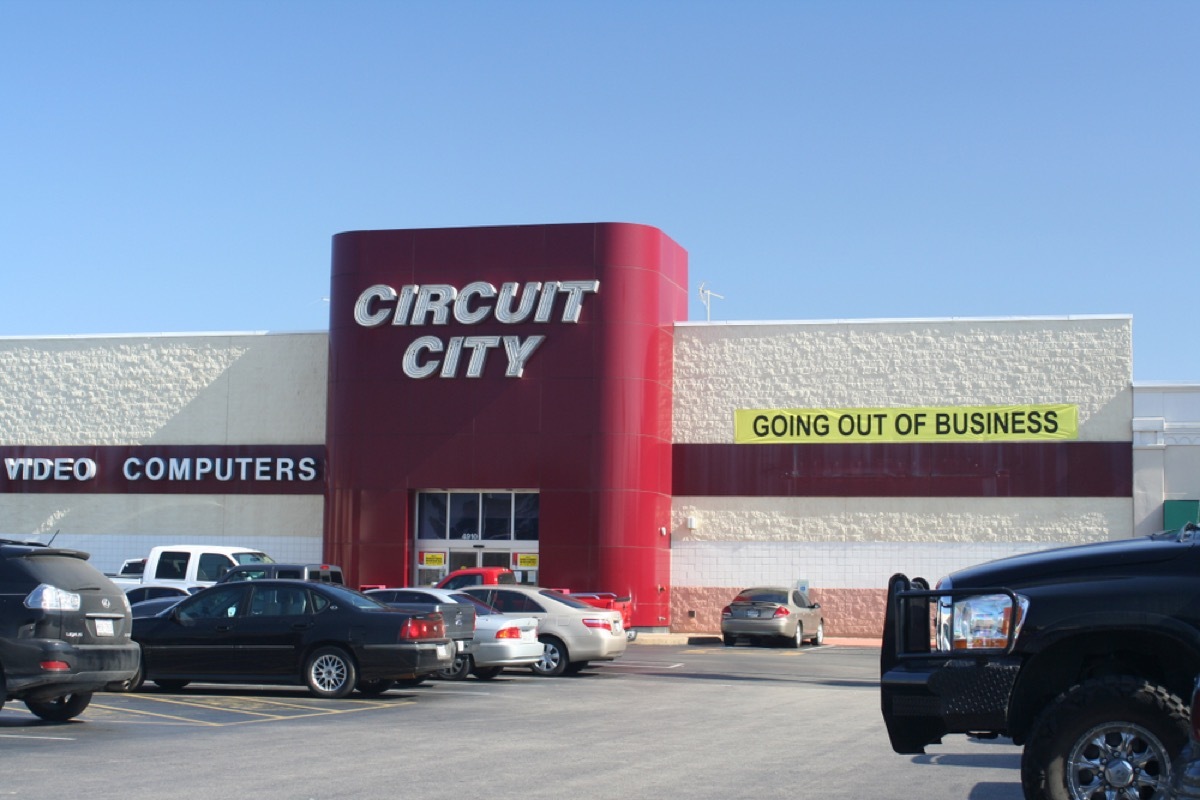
x: 478, y: 556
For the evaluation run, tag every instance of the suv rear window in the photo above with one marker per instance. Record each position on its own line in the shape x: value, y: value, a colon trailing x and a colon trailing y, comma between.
x: 65, y: 572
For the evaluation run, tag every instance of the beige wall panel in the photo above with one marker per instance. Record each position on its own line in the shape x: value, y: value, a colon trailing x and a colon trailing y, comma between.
x: 185, y: 389
x: 1035, y: 521
x: 1080, y: 360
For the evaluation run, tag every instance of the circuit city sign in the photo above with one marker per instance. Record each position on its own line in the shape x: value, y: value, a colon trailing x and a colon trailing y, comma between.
x: 437, y: 304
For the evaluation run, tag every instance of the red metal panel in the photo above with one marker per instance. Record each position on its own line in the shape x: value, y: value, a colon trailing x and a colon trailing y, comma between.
x: 588, y: 423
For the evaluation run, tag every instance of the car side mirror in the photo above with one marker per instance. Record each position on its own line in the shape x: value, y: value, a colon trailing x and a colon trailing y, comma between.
x: 816, y: 605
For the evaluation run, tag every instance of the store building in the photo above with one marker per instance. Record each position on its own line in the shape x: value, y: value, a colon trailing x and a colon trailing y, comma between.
x: 534, y: 397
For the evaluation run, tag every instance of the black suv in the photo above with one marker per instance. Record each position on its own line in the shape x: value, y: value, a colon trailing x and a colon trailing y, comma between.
x: 64, y: 630
x: 1082, y: 654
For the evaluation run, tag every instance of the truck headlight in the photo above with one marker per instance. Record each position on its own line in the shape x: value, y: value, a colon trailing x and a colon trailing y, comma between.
x: 979, y: 621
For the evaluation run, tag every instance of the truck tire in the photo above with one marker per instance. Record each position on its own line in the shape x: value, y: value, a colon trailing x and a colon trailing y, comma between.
x: 330, y: 673
x: 60, y: 709
x: 1108, y: 737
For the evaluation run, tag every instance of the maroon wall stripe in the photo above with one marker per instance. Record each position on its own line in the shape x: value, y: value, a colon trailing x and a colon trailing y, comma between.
x: 998, y: 469
x: 164, y: 469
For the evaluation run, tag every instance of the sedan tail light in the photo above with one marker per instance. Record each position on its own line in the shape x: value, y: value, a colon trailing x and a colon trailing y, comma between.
x: 726, y: 612
x: 511, y: 632
x: 602, y: 624
x: 431, y: 626
x: 781, y: 612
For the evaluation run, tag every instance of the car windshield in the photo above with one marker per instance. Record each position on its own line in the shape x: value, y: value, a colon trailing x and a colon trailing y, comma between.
x: 253, y: 558
x: 565, y: 599
x: 762, y: 596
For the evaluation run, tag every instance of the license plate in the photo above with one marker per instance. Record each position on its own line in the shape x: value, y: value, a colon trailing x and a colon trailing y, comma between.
x: 752, y: 612
x: 104, y: 627
x: 443, y: 651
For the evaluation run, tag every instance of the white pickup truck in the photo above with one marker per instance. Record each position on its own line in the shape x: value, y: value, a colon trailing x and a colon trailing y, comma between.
x: 190, y: 565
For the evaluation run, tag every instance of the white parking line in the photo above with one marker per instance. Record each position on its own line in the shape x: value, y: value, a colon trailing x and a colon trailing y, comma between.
x: 44, y: 738
x: 641, y: 665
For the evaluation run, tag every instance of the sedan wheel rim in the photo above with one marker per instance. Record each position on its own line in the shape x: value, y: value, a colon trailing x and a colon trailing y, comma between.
x: 1118, y: 760
x: 550, y: 658
x: 329, y: 673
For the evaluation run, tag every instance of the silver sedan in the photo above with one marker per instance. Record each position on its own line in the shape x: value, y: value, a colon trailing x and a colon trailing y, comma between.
x: 772, y: 612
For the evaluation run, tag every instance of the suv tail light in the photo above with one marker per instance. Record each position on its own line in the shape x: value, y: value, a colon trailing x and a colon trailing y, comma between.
x: 51, y: 598
x: 602, y: 624
x: 431, y: 626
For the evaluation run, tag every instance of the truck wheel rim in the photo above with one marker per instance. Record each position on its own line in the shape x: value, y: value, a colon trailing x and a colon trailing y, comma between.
x: 1121, y: 759
x: 329, y: 673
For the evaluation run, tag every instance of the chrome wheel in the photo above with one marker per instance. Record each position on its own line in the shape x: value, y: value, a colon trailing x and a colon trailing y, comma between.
x: 1118, y: 760
x: 330, y: 673
x: 820, y: 636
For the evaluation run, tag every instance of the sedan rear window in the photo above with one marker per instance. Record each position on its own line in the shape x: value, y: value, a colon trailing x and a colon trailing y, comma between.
x: 565, y: 599
x: 762, y: 596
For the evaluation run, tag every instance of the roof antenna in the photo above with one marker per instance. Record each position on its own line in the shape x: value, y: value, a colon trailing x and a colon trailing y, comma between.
x: 706, y: 296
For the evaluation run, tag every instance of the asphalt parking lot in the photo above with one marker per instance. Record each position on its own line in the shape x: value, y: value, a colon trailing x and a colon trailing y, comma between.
x: 665, y: 721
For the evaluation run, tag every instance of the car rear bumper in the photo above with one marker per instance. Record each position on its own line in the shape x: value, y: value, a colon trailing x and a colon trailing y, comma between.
x: 406, y: 659
x: 89, y: 668
x: 507, y: 654
x: 775, y: 626
x: 601, y: 647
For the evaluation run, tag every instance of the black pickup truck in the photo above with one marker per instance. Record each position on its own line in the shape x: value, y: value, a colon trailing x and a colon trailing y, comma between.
x: 1082, y: 654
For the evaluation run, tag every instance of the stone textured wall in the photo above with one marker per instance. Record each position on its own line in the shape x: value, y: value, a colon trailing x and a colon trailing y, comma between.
x: 1086, y: 361
x: 173, y: 389
x: 854, y: 613
x: 184, y: 389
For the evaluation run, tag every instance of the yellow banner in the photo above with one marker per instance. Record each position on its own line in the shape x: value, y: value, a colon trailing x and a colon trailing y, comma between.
x: 1025, y: 423
x: 431, y: 559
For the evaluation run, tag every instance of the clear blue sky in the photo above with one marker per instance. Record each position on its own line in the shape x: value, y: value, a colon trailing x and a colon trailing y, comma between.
x: 181, y: 166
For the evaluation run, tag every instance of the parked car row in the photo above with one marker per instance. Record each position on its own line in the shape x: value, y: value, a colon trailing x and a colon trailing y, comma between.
x: 266, y: 631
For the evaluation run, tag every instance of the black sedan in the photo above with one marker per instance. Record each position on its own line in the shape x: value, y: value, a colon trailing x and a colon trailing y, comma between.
x: 324, y: 636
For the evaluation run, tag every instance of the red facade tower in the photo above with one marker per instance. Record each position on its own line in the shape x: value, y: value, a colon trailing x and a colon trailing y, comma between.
x: 524, y: 358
